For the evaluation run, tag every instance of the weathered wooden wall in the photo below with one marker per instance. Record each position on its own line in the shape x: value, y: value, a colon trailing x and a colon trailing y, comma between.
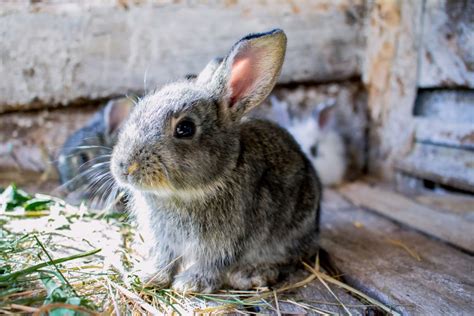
x: 71, y: 53
x: 447, y: 44
x: 30, y: 141
x: 65, y: 53
x: 411, y: 46
x: 59, y: 52
x: 390, y: 74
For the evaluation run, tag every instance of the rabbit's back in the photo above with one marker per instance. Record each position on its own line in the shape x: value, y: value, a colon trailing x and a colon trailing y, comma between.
x: 286, y: 190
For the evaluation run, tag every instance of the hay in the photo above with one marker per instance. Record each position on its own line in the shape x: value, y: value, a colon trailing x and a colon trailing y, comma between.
x: 59, y: 259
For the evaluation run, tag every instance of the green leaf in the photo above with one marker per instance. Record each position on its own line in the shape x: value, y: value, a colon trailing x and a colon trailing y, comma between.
x: 12, y: 197
x: 58, y: 294
x: 5, y: 269
x: 37, y: 204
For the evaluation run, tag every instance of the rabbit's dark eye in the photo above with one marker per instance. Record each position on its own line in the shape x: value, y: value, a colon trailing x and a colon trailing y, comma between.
x: 314, y: 150
x: 83, y: 158
x: 185, y: 129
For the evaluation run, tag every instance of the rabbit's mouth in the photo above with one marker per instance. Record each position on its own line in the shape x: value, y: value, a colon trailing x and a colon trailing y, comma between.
x: 137, y: 176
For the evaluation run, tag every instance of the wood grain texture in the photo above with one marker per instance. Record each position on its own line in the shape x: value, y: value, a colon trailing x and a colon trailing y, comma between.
x: 440, y: 132
x: 316, y: 294
x: 96, y: 49
x: 29, y: 141
x: 390, y: 74
x: 449, y: 105
x: 446, y: 226
x: 368, y: 250
x: 444, y: 165
x: 447, y: 50
x: 459, y: 204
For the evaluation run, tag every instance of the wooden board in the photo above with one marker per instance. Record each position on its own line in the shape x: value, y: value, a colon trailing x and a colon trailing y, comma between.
x: 94, y: 49
x: 448, y: 166
x: 447, y: 46
x: 446, y: 226
x: 29, y: 141
x: 316, y: 295
x: 443, y: 133
x: 389, y: 71
x: 459, y: 204
x: 368, y: 250
x: 448, y: 105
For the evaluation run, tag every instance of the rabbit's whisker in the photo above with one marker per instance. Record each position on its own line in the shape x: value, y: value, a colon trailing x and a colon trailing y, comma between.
x: 112, y: 197
x: 134, y: 99
x: 101, y: 164
x: 93, y: 147
x: 93, y: 160
x: 98, y: 176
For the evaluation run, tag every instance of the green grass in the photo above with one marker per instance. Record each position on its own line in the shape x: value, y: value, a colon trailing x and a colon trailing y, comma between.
x: 59, y: 259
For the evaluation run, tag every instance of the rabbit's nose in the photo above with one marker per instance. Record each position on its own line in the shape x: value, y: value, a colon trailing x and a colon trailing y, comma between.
x: 132, y: 168
x: 128, y: 169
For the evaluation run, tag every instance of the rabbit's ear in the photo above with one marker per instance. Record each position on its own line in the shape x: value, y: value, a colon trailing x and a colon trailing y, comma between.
x: 115, y: 113
x: 250, y: 71
x: 206, y: 74
x: 325, y: 114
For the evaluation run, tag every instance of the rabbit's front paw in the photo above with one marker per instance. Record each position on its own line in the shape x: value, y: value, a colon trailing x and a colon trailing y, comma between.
x: 244, y: 278
x: 197, y: 282
x: 150, y: 274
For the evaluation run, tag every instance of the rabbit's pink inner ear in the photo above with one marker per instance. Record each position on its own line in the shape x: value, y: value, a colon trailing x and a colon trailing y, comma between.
x: 244, y: 74
x: 325, y: 117
x: 117, y: 113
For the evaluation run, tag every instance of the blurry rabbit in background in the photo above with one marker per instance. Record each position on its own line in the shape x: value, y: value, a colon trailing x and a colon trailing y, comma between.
x: 83, y: 161
x: 317, y: 137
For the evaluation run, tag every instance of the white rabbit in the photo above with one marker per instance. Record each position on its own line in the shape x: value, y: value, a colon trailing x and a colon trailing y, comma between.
x: 318, y: 139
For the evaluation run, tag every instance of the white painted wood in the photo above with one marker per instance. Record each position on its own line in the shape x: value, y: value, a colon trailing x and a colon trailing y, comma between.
x: 449, y: 166
x: 58, y: 52
x: 448, y: 105
x: 390, y: 74
x: 447, y: 50
x: 440, y: 132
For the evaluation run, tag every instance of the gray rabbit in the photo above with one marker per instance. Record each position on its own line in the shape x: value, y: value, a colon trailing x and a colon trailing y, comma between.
x: 84, y: 157
x: 220, y: 199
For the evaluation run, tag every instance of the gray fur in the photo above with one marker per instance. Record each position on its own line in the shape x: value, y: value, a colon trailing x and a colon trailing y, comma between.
x: 234, y: 203
x: 85, y: 155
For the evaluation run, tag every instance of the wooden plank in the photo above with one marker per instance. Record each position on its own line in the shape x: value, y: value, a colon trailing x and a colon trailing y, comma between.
x: 447, y: 50
x: 446, y: 226
x: 369, y: 251
x: 408, y: 184
x: 390, y: 73
x: 459, y: 204
x: 94, y: 49
x: 315, y: 294
x: 448, y: 166
x: 449, y: 105
x: 440, y: 132
x: 29, y: 141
